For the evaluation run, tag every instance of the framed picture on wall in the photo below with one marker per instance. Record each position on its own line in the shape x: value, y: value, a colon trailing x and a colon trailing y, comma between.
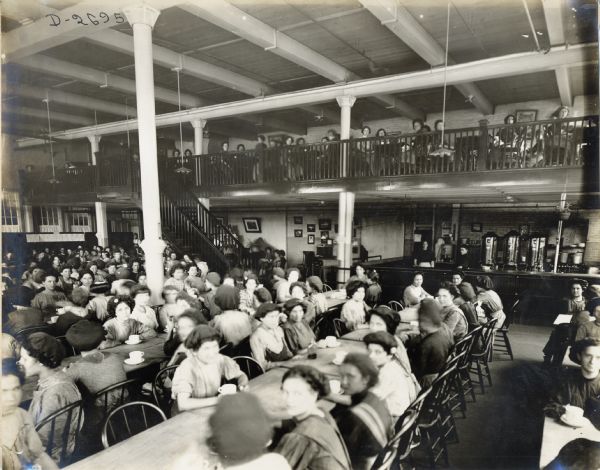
x: 526, y: 115
x: 298, y: 233
x: 298, y: 220
x: 310, y: 228
x: 524, y: 229
x: 324, y: 224
x: 324, y: 234
x: 311, y: 239
x: 476, y: 227
x: 220, y: 220
x: 251, y: 224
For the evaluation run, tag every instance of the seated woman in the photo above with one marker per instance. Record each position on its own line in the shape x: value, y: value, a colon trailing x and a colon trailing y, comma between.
x: 197, y: 380
x: 358, y: 273
x: 451, y: 314
x: 120, y: 325
x: 184, y: 324
x: 466, y: 302
x: 298, y: 334
x: 177, y: 273
x: 414, y: 293
x: 21, y: 445
x: 355, y: 309
x: 396, y: 385
x: 42, y: 355
x: 142, y: 312
x: 311, y: 439
x: 490, y: 300
x: 248, y: 302
x: 374, y: 291
x: 590, y: 329
x: 316, y: 297
x: 227, y: 298
x: 299, y: 291
x: 366, y: 423
x: 268, y: 340
x: 169, y: 310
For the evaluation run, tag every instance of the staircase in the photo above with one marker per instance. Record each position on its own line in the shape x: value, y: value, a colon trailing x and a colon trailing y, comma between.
x: 191, y: 228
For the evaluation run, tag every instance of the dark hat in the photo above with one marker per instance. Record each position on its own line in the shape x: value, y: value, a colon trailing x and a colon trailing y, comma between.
x: 291, y: 303
x: 214, y: 278
x: 227, y: 297
x: 197, y: 283
x: 278, y: 272
x: 316, y: 283
x: 430, y: 308
x: 592, y: 304
x: 45, y: 348
x: 265, y: 309
x: 466, y: 291
x: 237, y: 274
x: 85, y: 335
x: 79, y: 296
x: 123, y: 273
x: 240, y: 428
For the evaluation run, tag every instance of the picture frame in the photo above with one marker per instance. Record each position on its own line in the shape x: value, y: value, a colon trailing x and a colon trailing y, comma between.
x: 311, y: 239
x: 324, y: 234
x: 476, y: 227
x: 526, y: 115
x: 252, y: 224
x: 324, y: 224
x: 298, y: 233
x: 298, y: 220
x: 220, y: 220
x: 524, y: 229
x: 310, y: 228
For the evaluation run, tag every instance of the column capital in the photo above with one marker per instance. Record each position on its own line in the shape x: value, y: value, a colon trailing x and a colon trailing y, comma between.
x: 346, y: 100
x: 198, y: 123
x: 141, y: 14
x: 94, y: 138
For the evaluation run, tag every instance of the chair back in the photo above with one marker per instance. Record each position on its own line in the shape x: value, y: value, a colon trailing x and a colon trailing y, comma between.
x: 69, y: 350
x: 440, y: 386
x: 249, y: 366
x: 488, y: 336
x: 63, y: 435
x: 510, y: 315
x: 128, y: 420
x: 326, y: 288
x: 25, y: 332
x: 396, y: 305
x: 161, y: 388
x: 339, y: 327
x: 115, y: 395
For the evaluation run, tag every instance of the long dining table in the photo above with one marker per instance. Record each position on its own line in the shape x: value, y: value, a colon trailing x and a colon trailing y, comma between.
x: 556, y: 435
x: 163, y: 445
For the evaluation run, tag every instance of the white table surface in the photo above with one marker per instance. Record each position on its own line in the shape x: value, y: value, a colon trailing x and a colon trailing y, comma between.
x: 556, y: 435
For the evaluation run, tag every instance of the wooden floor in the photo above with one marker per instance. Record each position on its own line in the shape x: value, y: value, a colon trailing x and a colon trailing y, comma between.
x: 503, y: 429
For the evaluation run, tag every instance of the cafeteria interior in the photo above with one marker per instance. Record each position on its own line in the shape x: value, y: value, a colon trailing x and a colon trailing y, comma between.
x: 300, y: 234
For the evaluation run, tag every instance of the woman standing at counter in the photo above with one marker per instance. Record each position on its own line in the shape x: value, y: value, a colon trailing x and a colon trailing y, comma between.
x: 424, y: 257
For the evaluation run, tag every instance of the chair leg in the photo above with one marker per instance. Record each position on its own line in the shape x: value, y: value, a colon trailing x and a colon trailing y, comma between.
x: 480, y: 376
x: 488, y: 373
x: 508, y: 345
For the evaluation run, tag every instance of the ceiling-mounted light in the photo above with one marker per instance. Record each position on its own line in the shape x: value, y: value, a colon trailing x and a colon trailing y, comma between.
x: 421, y: 16
x: 525, y: 35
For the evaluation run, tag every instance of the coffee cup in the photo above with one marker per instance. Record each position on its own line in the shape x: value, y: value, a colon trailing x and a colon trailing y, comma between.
x: 227, y: 389
x: 330, y: 341
x: 133, y: 339
x: 335, y: 386
x: 136, y: 356
x: 54, y: 319
x: 339, y: 357
x: 573, y: 413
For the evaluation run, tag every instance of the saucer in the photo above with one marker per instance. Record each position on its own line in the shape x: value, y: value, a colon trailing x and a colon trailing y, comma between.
x: 335, y: 345
x: 576, y: 423
x: 132, y: 344
x: 131, y: 362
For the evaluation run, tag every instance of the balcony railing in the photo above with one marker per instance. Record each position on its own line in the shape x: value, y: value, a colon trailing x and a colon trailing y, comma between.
x: 539, y: 144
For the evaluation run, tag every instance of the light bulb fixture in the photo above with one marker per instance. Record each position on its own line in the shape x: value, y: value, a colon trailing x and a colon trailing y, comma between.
x: 52, y: 180
x: 182, y: 169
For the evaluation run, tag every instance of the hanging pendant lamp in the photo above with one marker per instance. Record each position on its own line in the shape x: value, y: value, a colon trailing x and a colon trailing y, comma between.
x: 444, y: 151
x: 182, y: 169
x: 52, y: 180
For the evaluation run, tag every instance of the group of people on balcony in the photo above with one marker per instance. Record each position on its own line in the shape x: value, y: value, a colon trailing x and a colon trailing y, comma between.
x: 512, y: 145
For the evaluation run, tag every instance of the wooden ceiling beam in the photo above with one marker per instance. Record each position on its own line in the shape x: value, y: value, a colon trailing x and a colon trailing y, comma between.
x: 553, y: 13
x: 230, y: 18
x: 54, y: 116
x: 99, y: 78
x: 487, y: 69
x: 400, y: 22
x: 58, y: 27
x: 70, y: 99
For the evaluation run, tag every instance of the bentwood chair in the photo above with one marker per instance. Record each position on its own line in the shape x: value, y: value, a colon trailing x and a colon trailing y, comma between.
x: 398, y: 448
x: 339, y: 327
x: 115, y: 395
x: 501, y: 341
x: 249, y: 366
x: 161, y: 388
x: 464, y: 376
x: 130, y: 419
x: 479, y: 361
x: 62, y: 430
x: 327, y: 288
x: 396, y: 305
x: 69, y: 350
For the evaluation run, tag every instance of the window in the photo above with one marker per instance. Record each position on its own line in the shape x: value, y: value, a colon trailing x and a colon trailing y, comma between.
x: 10, y: 211
x: 80, y: 222
x: 49, y: 219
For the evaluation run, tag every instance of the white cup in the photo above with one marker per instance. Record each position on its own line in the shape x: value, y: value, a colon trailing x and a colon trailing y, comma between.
x: 136, y: 356
x: 134, y: 339
x: 340, y: 356
x: 573, y: 413
x: 54, y: 319
x: 335, y: 386
x: 227, y: 389
x: 331, y: 341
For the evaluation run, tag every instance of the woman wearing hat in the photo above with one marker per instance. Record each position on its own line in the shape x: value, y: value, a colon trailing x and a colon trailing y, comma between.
x: 41, y: 355
x: 298, y: 334
x: 248, y: 302
x: 197, y: 380
x: 120, y: 325
x: 311, y: 439
x: 316, y: 297
x: 268, y: 340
